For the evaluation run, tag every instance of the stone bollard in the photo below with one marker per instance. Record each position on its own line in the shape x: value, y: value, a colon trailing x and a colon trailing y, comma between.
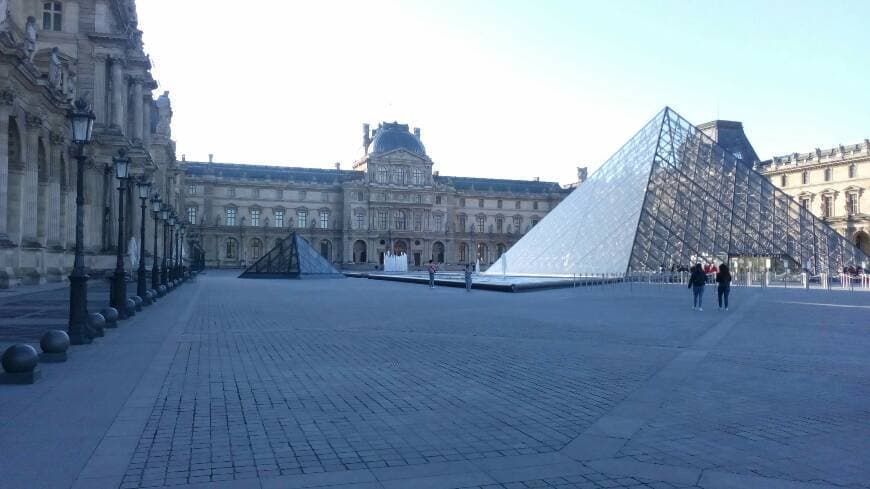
x: 138, y: 303
x: 130, y: 304
x: 110, y: 314
x: 97, y: 322
x: 19, y: 362
x: 54, y: 345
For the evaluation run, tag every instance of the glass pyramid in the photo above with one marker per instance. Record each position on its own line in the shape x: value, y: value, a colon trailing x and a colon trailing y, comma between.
x: 669, y: 198
x: 292, y: 257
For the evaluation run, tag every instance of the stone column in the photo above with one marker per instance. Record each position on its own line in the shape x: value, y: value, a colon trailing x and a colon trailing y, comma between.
x: 119, y: 96
x: 53, y: 233
x: 6, y: 99
x: 30, y: 182
x: 136, y: 88
x: 100, y: 84
x: 146, y: 121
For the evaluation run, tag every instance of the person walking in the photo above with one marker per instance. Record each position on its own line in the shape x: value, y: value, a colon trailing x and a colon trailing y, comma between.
x: 468, y: 277
x: 723, y: 278
x: 696, y: 283
x: 433, y: 267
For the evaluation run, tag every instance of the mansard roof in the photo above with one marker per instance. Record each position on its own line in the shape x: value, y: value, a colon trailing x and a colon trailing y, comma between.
x: 499, y: 185
x: 269, y: 172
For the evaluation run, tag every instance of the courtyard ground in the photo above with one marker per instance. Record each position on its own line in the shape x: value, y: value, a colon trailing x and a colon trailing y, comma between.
x: 230, y: 383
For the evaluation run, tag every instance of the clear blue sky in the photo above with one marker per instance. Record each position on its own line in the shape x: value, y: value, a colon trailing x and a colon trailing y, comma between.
x: 504, y: 88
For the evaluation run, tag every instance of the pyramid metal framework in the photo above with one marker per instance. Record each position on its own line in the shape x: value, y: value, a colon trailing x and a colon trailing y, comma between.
x: 670, y: 197
x: 292, y: 257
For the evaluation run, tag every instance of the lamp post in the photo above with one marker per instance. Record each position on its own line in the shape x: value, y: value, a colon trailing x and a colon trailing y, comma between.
x: 82, y: 121
x: 182, y: 229
x: 118, y: 294
x: 144, y: 188
x: 164, y: 215
x: 155, y: 262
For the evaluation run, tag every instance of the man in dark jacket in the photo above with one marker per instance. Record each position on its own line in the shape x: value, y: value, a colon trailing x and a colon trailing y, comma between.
x: 723, y: 278
x: 696, y: 283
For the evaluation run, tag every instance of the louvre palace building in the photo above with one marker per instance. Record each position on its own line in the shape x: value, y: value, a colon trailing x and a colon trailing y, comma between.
x: 52, y: 52
x: 392, y: 200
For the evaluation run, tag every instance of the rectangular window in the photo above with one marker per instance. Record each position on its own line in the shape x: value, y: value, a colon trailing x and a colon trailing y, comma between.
x: 437, y: 199
x: 499, y: 203
x: 827, y: 206
x: 359, y: 196
x: 518, y: 221
x: 231, y: 216
x: 535, y: 205
x: 518, y: 204
x: 852, y: 203
x: 462, y: 202
x: 360, y: 220
x: 805, y: 178
x: 853, y: 170
x: 255, y: 193
x: 191, y: 190
x: 231, y: 192
x: 279, y: 218
x: 302, y: 195
x: 324, y: 196
x: 480, y: 203
x: 191, y: 215
x: 418, y: 199
x: 534, y: 221
x: 302, y: 219
x: 324, y: 220
x: 783, y: 181
x: 462, y: 224
x: 481, y: 223
x: 418, y: 222
x: 255, y: 217
x: 382, y: 219
x: 439, y: 222
x: 805, y: 203
x: 499, y: 224
x: 828, y: 174
x: 51, y: 16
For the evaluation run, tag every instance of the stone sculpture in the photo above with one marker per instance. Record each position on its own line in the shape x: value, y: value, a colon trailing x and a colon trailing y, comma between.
x: 54, y: 69
x: 30, y: 37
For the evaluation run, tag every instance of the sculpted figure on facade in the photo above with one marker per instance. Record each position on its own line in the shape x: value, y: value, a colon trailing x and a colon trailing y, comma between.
x: 30, y: 37
x: 54, y: 69
x: 4, y: 13
x: 164, y: 115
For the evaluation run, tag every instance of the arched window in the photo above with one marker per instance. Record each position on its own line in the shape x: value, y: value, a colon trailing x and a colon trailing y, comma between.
x: 438, y: 252
x: 359, y: 251
x: 499, y: 250
x: 256, y: 248
x: 483, y: 252
x: 52, y: 16
x: 232, y: 249
x: 463, y: 252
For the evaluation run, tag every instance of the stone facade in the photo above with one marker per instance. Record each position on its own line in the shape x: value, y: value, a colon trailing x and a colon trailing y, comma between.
x: 50, y: 53
x: 391, y: 199
x: 831, y: 184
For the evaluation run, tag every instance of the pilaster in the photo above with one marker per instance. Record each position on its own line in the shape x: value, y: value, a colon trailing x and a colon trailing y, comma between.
x: 138, y: 119
x: 30, y: 182
x: 119, y: 96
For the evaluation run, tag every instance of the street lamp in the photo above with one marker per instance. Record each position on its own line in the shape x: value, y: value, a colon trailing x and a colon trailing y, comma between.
x: 118, y: 294
x: 164, y: 215
x: 181, y: 250
x: 144, y: 188
x: 82, y: 122
x: 155, y: 261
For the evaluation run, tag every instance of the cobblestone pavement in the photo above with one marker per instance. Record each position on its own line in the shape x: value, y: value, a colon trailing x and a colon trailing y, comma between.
x: 371, y: 384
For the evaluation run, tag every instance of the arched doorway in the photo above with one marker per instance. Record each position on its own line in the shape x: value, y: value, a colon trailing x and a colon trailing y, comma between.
x: 359, y: 251
x: 326, y: 249
x: 483, y: 252
x: 463, y: 252
x: 862, y: 242
x: 400, y: 247
x: 438, y: 252
x: 256, y: 249
x: 231, y: 250
x: 499, y: 250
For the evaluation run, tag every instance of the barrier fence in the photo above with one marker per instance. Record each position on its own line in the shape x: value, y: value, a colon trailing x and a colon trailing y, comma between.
x: 822, y: 281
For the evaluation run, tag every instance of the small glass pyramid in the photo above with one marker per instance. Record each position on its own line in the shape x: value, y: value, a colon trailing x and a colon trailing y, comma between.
x: 671, y: 197
x: 292, y: 257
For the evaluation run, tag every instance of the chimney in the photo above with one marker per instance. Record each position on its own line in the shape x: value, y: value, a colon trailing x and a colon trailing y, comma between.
x: 537, y: 179
x: 338, y: 165
x: 183, y: 158
x: 417, y: 132
x: 367, y: 140
x: 211, y: 157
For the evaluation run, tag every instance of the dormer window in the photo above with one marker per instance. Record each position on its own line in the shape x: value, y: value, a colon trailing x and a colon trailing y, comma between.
x: 52, y: 16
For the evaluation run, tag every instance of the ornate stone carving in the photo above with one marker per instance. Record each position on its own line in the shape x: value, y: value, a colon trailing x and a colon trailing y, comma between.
x: 32, y: 121
x: 7, y: 96
x: 164, y: 115
x: 54, y: 69
x: 56, y: 138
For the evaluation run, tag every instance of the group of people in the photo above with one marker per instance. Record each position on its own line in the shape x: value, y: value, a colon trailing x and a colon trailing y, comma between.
x: 433, y: 268
x: 698, y: 280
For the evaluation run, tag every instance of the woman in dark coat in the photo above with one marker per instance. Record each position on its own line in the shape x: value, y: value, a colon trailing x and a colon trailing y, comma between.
x: 723, y: 278
x: 696, y: 283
